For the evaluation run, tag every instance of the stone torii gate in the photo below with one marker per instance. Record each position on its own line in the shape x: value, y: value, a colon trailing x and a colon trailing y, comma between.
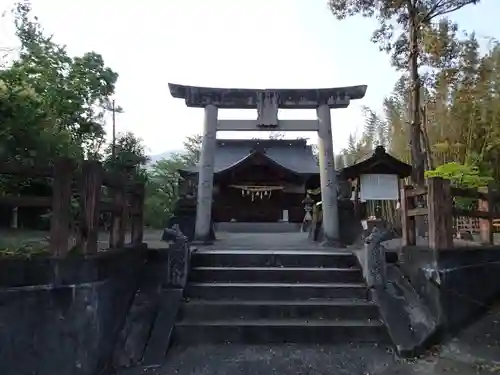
x: 267, y: 103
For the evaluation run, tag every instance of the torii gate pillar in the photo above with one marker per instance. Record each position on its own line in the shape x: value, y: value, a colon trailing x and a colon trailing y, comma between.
x: 267, y: 103
x: 328, y: 176
x: 206, y: 175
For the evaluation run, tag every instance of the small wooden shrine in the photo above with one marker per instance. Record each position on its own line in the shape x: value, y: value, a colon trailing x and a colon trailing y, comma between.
x: 380, y: 162
x: 375, y: 179
x: 259, y: 180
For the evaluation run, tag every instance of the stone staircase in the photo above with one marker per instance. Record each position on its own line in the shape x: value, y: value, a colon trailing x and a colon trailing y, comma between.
x: 243, y: 227
x: 257, y: 297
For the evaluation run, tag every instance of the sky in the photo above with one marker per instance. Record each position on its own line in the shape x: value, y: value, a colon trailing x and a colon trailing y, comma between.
x: 228, y: 43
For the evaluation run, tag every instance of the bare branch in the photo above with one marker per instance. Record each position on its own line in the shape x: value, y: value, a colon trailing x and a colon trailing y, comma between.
x: 443, y: 7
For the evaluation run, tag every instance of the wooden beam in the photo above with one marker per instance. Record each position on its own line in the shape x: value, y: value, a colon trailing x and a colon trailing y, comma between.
x: 440, y: 203
x: 419, y: 211
x: 61, y: 206
x: 137, y: 225
x: 409, y: 237
x: 92, y: 174
x: 17, y: 168
x: 486, y: 224
x: 473, y: 193
x: 283, y: 125
x: 416, y: 191
x: 26, y: 201
x: 117, y: 235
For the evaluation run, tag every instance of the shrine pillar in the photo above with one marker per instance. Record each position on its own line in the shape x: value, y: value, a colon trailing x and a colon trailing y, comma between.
x: 206, y: 174
x: 328, y: 176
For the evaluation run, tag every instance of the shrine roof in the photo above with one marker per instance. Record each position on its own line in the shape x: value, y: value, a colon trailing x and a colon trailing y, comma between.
x: 335, y: 97
x: 380, y: 162
x: 294, y: 155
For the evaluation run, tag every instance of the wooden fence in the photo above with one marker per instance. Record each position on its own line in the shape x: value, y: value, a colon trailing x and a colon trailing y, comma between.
x: 84, y: 181
x: 441, y: 211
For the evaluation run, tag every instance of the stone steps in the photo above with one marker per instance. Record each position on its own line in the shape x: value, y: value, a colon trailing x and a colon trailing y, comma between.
x: 274, y: 291
x: 278, y: 331
x: 266, y: 258
x: 248, y: 227
x: 251, y: 296
x: 273, y: 310
x: 276, y: 274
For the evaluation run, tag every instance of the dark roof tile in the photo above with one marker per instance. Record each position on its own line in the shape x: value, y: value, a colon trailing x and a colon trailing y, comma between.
x: 294, y: 155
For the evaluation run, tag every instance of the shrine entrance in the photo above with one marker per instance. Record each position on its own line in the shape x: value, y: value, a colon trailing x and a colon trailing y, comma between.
x: 267, y: 103
x: 256, y: 203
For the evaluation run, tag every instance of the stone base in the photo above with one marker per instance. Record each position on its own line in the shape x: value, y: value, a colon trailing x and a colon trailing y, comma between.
x: 327, y: 242
x: 187, y: 224
x: 204, y: 242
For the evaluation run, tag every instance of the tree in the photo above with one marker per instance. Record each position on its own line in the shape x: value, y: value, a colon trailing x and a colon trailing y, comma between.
x: 49, y: 103
x: 460, y: 105
x: 163, y: 182
x: 402, y: 23
x: 192, y: 148
x: 52, y: 104
x: 460, y: 175
x: 129, y: 152
x: 162, y: 191
x: 73, y: 90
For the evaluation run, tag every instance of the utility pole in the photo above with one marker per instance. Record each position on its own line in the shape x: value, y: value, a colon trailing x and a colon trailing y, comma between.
x: 113, y: 147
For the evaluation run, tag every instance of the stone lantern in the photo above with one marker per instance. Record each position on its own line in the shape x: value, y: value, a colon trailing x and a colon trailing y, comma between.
x: 308, y: 207
x: 308, y: 203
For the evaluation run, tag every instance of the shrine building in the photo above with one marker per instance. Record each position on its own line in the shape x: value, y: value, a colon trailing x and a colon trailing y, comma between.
x: 259, y: 180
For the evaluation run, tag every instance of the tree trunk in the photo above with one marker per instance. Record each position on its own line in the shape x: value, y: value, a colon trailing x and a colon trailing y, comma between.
x: 426, y: 145
x: 417, y: 158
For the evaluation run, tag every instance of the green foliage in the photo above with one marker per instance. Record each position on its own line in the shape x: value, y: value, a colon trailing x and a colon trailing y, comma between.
x: 464, y: 176
x: 72, y: 90
x: 163, y: 181
x: 129, y: 152
x: 12, y: 246
x: 51, y: 104
x: 192, y: 147
x: 162, y: 191
x: 460, y: 101
x: 460, y: 175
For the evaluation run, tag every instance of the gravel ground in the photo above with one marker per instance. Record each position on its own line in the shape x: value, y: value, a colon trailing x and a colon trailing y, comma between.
x: 286, y: 359
x: 475, y: 351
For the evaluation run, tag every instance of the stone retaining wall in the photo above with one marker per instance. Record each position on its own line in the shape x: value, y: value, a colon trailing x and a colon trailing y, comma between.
x: 83, y: 315
x: 456, y: 283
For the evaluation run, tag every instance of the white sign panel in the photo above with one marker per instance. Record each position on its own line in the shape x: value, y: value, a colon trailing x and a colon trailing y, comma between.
x: 285, y: 216
x: 379, y: 187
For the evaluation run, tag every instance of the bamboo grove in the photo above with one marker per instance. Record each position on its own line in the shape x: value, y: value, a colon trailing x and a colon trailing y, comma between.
x: 459, y: 106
